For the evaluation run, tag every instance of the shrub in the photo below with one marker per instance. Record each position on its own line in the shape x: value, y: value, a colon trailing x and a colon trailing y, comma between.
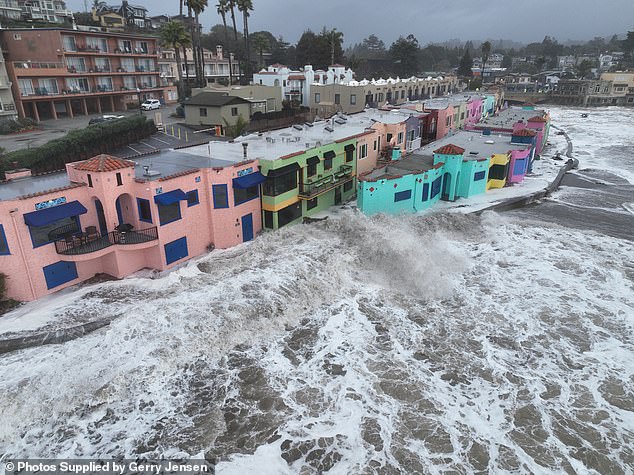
x: 80, y: 144
x: 3, y: 286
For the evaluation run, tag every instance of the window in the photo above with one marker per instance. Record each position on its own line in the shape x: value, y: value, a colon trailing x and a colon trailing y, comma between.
x: 242, y: 195
x: 337, y: 98
x: 400, y: 137
x: 268, y: 219
x: 89, y: 180
x: 234, y: 111
x: 363, y: 150
x: 388, y: 138
x: 347, y: 186
x: 203, y: 112
x: 327, y: 163
x: 497, y: 172
x: 479, y: 176
x: 192, y: 198
x: 349, y: 152
x: 311, y: 170
x: 169, y: 213
x: 119, y: 180
x: 274, y: 186
x: 145, y: 211
x: 353, y: 99
x: 435, y: 187
x: 402, y: 195
x: 310, y: 204
x: 4, y: 245
x: 375, y: 145
x: 41, y: 235
x: 221, y: 198
x: 425, y: 191
x: 403, y: 94
x: 288, y: 214
x: 317, y: 98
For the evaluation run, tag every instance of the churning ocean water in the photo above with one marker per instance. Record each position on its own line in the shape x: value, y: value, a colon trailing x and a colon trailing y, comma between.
x: 434, y: 343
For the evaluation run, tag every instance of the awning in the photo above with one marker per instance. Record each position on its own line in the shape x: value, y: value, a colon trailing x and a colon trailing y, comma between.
x: 312, y: 160
x: 247, y: 181
x: 170, y: 197
x: 349, y: 147
x: 55, y: 213
x: 293, y: 167
x: 330, y: 154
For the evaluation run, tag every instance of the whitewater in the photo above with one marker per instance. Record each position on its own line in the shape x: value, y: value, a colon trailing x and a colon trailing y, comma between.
x: 431, y: 343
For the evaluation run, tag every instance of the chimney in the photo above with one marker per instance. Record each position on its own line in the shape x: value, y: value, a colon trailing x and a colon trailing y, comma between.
x: 219, y: 51
x: 244, y: 149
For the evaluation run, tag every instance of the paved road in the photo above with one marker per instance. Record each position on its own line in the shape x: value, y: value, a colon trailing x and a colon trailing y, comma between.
x: 51, y: 129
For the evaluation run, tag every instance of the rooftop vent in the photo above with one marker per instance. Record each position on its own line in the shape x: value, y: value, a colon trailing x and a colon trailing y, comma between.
x: 329, y: 129
x: 298, y: 127
x: 489, y: 141
x: 308, y: 124
x: 340, y: 121
x: 148, y: 172
x: 473, y: 153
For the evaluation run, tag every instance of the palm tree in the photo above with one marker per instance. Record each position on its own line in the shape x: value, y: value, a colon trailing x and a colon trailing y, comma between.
x: 173, y: 35
x: 232, y: 5
x: 223, y: 8
x: 245, y: 6
x: 197, y: 6
x: 486, y: 50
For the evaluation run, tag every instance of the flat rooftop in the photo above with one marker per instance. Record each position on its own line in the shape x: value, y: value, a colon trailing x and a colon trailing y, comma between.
x: 30, y: 185
x: 508, y: 117
x: 272, y: 145
x: 405, y: 166
x: 476, y: 145
x: 169, y: 162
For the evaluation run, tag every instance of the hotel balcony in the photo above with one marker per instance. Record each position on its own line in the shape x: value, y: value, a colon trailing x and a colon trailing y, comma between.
x: 309, y: 190
x: 87, y: 243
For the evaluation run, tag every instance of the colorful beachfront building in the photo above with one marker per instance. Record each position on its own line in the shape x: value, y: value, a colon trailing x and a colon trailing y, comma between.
x: 459, y: 166
x: 514, y: 118
x: 114, y: 216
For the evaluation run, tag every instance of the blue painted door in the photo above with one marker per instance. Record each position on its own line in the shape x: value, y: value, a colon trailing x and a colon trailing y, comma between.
x: 59, y: 273
x: 101, y: 218
x: 176, y: 250
x: 119, y: 211
x: 247, y: 227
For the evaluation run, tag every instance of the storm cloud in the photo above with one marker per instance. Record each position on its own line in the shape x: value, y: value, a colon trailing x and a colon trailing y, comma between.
x: 428, y: 20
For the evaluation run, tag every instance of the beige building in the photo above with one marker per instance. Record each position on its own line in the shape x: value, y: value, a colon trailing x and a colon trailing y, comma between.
x: 216, y: 66
x: 327, y: 99
x: 217, y: 110
x: 7, y: 105
x: 622, y: 86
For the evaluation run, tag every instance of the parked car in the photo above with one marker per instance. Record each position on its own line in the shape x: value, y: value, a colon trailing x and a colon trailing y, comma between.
x: 151, y: 104
x: 104, y: 118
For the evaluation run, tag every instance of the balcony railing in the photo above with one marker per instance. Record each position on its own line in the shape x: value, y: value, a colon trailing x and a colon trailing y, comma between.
x: 85, y: 243
x: 322, y: 185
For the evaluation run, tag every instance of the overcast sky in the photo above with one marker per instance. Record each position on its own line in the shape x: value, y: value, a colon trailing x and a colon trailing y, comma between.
x: 428, y: 20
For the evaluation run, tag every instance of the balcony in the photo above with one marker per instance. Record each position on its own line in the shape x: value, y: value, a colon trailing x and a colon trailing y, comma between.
x: 86, y: 243
x: 323, y: 185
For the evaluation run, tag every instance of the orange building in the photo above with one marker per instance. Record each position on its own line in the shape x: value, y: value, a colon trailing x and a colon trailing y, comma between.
x: 59, y: 72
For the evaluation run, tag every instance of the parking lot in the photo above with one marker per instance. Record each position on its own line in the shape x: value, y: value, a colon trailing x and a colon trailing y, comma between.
x: 163, y: 140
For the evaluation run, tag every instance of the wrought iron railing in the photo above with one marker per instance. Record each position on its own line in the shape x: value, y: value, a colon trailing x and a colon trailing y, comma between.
x: 84, y: 243
x: 327, y: 183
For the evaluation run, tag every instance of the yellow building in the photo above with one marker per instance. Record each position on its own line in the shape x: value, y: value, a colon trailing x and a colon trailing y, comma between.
x: 108, y: 18
x: 498, y: 170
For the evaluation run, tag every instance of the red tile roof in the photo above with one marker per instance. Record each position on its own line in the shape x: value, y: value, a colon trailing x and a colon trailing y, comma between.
x: 296, y: 77
x: 450, y: 149
x: 104, y: 163
x: 525, y: 133
x: 537, y: 118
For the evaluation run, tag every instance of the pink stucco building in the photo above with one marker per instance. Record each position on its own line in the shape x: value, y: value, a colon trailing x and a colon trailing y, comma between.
x: 114, y: 216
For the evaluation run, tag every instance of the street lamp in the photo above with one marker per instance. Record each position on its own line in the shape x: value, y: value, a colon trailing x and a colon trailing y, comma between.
x: 138, y: 93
